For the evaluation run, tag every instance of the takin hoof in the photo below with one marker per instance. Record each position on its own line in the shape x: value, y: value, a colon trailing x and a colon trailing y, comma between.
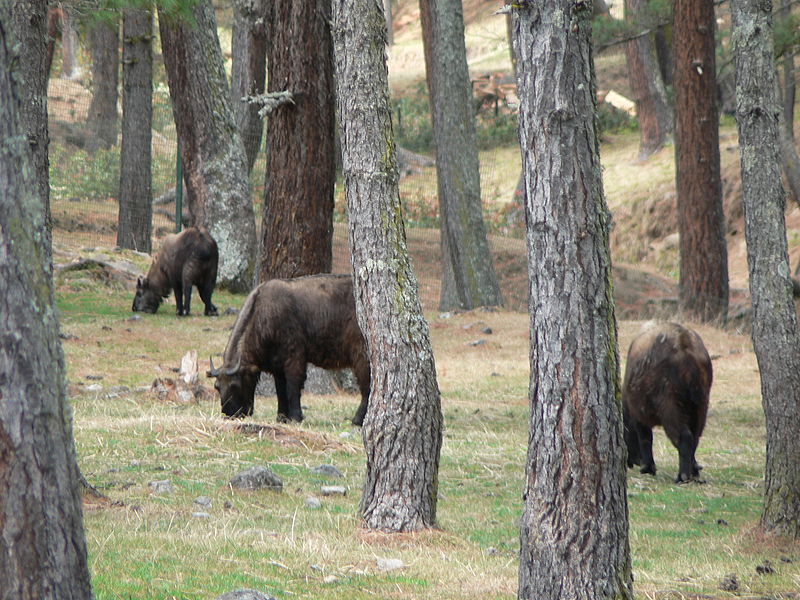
x: 651, y: 469
x: 211, y: 311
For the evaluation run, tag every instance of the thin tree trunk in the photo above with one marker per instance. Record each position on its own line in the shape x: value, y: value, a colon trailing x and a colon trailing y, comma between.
x: 776, y: 338
x: 701, y: 222
x: 69, y: 46
x: 42, y: 540
x: 29, y: 26
x: 249, y: 70
x: 468, y: 279
x: 653, y: 110
x: 789, y: 83
x: 214, y: 161
x: 403, y: 427
x: 135, y: 195
x: 297, y: 224
x: 102, y: 116
x: 574, y: 526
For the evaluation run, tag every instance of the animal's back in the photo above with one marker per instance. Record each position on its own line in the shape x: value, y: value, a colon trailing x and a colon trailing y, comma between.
x: 668, y: 376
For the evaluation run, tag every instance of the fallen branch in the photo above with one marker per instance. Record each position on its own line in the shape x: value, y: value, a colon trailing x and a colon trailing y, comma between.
x: 269, y: 102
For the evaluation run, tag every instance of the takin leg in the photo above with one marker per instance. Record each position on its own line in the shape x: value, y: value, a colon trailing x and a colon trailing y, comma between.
x: 187, y: 297
x: 178, y: 300
x: 205, y: 296
x: 294, y: 387
x: 685, y: 442
x: 645, y: 436
x: 283, y: 401
x: 362, y: 376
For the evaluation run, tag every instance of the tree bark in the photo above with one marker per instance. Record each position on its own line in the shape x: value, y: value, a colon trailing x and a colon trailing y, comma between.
x: 135, y: 226
x: 776, y: 338
x: 249, y: 70
x: 468, y: 276
x: 69, y: 45
x: 29, y: 26
x: 701, y: 222
x: 214, y: 161
x: 102, y: 116
x: 574, y: 526
x: 403, y: 427
x: 297, y: 224
x: 653, y: 110
x: 42, y: 541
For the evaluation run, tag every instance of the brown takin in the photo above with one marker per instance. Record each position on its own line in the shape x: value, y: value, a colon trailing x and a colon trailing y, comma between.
x: 667, y: 382
x: 283, y: 325
x: 186, y: 259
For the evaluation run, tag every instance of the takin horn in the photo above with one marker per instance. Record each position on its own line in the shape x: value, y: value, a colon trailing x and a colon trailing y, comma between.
x: 214, y: 372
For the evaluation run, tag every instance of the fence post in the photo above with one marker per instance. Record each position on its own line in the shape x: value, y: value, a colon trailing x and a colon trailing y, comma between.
x: 178, y: 190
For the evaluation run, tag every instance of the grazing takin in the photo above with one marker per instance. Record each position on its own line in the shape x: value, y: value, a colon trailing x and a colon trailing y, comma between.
x: 284, y: 324
x: 667, y: 382
x: 186, y: 259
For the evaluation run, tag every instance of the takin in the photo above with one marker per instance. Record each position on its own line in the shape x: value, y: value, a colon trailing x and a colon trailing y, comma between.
x: 283, y: 325
x: 667, y: 382
x: 186, y: 259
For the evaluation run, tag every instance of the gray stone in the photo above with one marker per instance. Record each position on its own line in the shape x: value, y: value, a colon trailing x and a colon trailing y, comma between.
x: 390, y: 564
x: 201, y: 515
x: 244, y: 595
x: 161, y: 487
x: 256, y: 478
x: 333, y: 490
x: 313, y: 502
x: 327, y: 471
x: 203, y: 501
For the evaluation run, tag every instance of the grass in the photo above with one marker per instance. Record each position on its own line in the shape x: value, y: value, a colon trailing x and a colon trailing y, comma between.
x: 684, y: 539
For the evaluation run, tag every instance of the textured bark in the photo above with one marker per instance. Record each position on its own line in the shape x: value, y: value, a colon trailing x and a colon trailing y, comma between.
x: 69, y: 45
x: 297, y: 228
x: 249, y: 70
x: 789, y: 82
x: 776, y: 338
x: 135, y: 195
x: 403, y: 427
x: 468, y: 276
x: 701, y: 222
x: 29, y: 26
x: 102, y: 116
x: 214, y: 161
x: 653, y: 110
x: 42, y: 541
x: 574, y: 526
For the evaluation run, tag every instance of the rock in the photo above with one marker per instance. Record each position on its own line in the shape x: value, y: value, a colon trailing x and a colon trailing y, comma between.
x: 244, y: 595
x: 161, y: 487
x: 256, y: 478
x: 95, y: 387
x: 313, y: 502
x: 729, y: 583
x: 333, y: 490
x: 477, y: 343
x: 230, y: 311
x: 390, y: 564
x: 203, y: 501
x: 327, y: 471
x: 765, y: 568
x: 330, y: 579
x: 201, y: 515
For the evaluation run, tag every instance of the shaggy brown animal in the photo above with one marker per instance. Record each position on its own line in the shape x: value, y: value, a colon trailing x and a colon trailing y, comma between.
x: 186, y: 259
x: 667, y: 382
x: 283, y: 325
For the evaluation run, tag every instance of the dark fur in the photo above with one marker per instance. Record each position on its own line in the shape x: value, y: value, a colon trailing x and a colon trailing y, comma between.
x: 667, y: 382
x: 284, y: 324
x: 186, y: 259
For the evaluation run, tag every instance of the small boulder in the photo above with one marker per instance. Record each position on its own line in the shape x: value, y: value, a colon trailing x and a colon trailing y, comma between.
x: 244, y: 595
x: 256, y: 478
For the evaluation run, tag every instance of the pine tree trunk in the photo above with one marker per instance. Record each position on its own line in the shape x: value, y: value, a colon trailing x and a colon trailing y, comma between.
x: 42, y: 541
x: 102, y: 116
x: 701, y: 222
x: 403, y: 427
x: 214, y: 161
x: 653, y: 110
x: 469, y: 279
x: 29, y: 26
x: 776, y: 337
x: 297, y: 228
x: 574, y: 527
x: 249, y: 70
x: 69, y: 44
x: 135, y: 196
